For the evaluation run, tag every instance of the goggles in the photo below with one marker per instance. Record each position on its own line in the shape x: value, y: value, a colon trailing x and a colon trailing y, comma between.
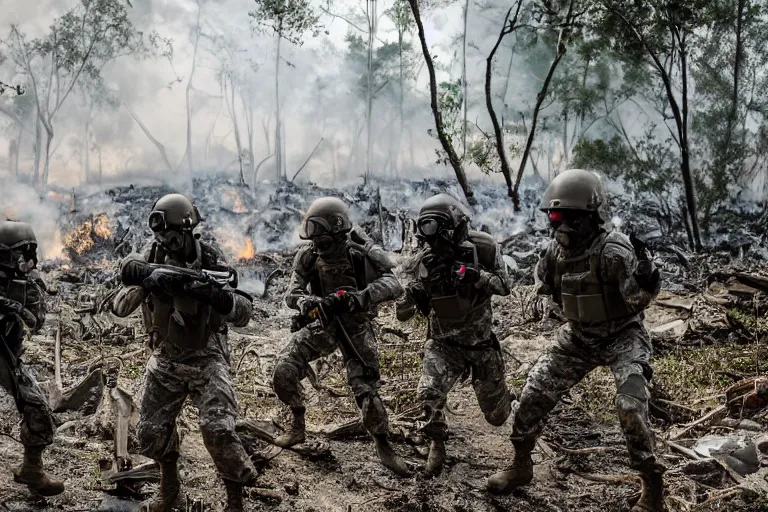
x: 158, y: 222
x: 316, y: 227
x: 567, y: 216
x: 431, y: 226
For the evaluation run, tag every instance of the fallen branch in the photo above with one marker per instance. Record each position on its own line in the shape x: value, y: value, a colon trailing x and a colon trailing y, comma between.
x: 683, y: 450
x: 580, y: 451
x: 609, y: 479
x: 711, y: 415
x: 727, y: 493
x: 308, y: 159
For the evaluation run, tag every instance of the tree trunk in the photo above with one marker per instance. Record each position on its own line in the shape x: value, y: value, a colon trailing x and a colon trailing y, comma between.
x: 501, y: 148
x: 464, y: 97
x: 401, y: 101
x: 737, y: 62
x: 18, y: 150
x: 188, y: 92
x: 559, y: 52
x: 38, y: 151
x: 685, y: 164
x: 87, y: 151
x: 47, y: 168
x: 278, y: 142
x: 446, y: 144
x: 371, y: 7
x: 233, y: 114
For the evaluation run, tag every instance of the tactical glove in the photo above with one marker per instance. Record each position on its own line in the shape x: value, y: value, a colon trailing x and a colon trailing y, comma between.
x: 134, y: 271
x: 307, y: 304
x: 12, y: 307
x: 160, y: 282
x: 467, y: 275
x: 647, y: 277
x: 420, y: 297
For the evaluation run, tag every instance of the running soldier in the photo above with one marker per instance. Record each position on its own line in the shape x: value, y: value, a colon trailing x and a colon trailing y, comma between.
x: 21, y: 303
x: 451, y: 281
x: 603, y: 283
x: 345, y: 275
x: 187, y: 328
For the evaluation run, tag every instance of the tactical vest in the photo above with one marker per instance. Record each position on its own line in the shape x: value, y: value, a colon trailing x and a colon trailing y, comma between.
x: 354, y: 272
x: 454, y: 304
x: 579, y: 286
x: 180, y: 321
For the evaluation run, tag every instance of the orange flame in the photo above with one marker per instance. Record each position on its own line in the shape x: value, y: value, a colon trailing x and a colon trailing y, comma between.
x: 81, y: 239
x: 101, y: 227
x: 248, y: 252
x: 235, y: 200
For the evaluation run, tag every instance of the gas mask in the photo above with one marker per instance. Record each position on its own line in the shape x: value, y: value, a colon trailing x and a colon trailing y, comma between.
x: 324, y: 239
x: 19, y: 260
x: 173, y: 238
x: 437, y: 231
x: 572, y: 227
x: 326, y: 245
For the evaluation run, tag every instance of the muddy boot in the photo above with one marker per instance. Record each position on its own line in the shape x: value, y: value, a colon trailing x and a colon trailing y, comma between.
x: 297, y: 433
x: 234, y: 496
x: 652, y: 497
x: 436, y: 458
x: 170, y: 490
x: 517, y: 474
x: 31, y: 473
x: 389, y: 458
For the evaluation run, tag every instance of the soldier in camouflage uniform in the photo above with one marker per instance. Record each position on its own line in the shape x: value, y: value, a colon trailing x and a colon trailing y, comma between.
x: 21, y: 302
x: 339, y: 258
x: 188, y: 332
x: 603, y: 284
x: 451, y: 281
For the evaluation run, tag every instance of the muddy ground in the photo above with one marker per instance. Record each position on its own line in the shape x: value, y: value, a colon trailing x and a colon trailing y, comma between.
x: 350, y: 477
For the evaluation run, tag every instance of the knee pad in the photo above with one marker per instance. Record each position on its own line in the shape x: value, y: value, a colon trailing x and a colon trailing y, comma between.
x: 632, y: 394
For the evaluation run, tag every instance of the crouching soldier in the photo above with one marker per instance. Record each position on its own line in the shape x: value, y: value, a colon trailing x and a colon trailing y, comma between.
x: 603, y: 284
x: 187, y: 324
x: 339, y: 278
x: 451, y: 282
x: 21, y: 302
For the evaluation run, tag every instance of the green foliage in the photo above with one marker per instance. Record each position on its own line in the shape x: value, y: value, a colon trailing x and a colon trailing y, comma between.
x: 385, y: 66
x: 449, y: 103
x: 290, y: 19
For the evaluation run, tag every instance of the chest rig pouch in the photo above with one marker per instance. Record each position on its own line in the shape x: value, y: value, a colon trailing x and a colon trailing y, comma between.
x: 180, y: 321
x: 450, y: 302
x: 585, y: 297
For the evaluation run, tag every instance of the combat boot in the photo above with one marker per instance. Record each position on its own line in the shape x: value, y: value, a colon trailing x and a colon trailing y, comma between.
x: 436, y: 458
x: 297, y: 433
x: 389, y: 458
x: 170, y: 490
x: 517, y: 474
x: 234, y: 496
x: 652, y: 497
x: 31, y: 473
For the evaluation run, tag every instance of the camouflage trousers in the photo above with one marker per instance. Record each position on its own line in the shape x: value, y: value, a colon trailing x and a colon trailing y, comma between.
x: 627, y: 354
x: 37, y: 425
x: 207, y: 382
x: 444, y: 365
x: 314, y: 342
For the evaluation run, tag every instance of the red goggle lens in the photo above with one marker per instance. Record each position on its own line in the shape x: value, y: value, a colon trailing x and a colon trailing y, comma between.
x: 555, y: 217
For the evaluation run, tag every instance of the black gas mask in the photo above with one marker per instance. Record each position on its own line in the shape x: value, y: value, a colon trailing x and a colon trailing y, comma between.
x: 18, y: 260
x: 438, y: 232
x: 571, y: 228
x: 175, y: 239
x: 325, y: 241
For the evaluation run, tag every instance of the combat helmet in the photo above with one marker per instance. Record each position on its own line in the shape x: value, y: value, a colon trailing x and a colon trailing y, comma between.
x: 326, y: 216
x: 17, y: 238
x: 443, y: 215
x: 173, y: 211
x: 575, y: 189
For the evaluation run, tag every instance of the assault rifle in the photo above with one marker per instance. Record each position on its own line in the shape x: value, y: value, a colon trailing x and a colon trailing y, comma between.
x: 175, y: 279
x: 327, y: 311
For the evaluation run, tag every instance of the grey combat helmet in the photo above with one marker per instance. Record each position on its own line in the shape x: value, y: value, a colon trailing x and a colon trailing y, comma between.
x: 574, y: 189
x: 173, y: 211
x: 326, y: 216
x: 18, y: 246
x: 443, y: 215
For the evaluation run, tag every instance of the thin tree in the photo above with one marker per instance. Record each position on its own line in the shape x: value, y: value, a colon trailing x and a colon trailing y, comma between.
x: 453, y: 158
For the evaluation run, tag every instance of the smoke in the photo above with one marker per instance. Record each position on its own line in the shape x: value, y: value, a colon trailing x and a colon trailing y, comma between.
x: 22, y: 203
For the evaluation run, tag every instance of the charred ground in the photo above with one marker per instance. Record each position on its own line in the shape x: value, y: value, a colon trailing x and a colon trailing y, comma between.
x: 708, y: 328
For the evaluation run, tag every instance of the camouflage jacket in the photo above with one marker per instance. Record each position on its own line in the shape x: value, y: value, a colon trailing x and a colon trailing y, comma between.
x: 28, y: 291
x: 210, y: 257
x: 494, y: 280
x: 617, y: 264
x: 360, y: 260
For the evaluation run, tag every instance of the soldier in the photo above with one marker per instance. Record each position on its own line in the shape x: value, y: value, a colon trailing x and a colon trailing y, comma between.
x: 339, y: 258
x: 187, y: 330
x: 602, y: 286
x: 21, y: 302
x: 451, y: 282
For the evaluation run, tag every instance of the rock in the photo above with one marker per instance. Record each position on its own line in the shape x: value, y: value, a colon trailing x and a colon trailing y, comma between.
x: 737, y: 452
x: 762, y: 444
